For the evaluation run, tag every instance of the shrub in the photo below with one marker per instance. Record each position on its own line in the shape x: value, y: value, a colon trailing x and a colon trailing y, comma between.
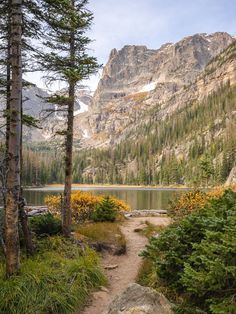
x: 187, y: 203
x: 83, y: 204
x: 57, y: 280
x: 105, y: 211
x: 45, y: 225
x: 196, y: 259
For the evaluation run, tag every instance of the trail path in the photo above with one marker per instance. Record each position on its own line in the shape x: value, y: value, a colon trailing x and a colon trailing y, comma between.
x: 128, y: 264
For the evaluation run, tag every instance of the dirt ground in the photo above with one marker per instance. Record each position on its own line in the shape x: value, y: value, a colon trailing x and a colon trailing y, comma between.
x: 128, y: 264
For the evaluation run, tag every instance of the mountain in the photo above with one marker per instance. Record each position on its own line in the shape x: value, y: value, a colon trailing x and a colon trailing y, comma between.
x: 162, y: 116
x: 136, y: 78
x: 50, y: 118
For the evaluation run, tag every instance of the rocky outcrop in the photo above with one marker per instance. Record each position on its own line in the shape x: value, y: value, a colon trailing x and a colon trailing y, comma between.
x: 232, y: 177
x: 136, y: 78
x: 50, y: 117
x: 140, y: 300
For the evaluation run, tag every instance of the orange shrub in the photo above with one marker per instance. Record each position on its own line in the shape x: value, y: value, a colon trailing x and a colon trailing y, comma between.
x: 193, y: 200
x: 219, y: 190
x: 187, y: 202
x: 82, y: 204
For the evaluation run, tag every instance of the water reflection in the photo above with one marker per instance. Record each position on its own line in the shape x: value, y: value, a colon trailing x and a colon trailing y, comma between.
x: 137, y: 198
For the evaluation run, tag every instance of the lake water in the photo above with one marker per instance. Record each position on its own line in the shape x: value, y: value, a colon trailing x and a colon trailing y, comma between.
x: 137, y: 198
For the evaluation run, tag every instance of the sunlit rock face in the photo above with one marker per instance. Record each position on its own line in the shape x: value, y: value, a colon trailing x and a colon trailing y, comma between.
x: 137, y: 78
x: 134, y: 80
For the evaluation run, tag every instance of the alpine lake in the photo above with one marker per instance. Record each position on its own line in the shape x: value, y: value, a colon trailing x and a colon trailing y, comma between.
x: 138, y: 198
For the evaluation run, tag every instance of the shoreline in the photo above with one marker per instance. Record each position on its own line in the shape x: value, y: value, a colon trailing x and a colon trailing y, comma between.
x: 108, y: 187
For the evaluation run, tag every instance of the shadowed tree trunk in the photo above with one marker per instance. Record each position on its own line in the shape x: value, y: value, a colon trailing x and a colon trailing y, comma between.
x: 66, y: 214
x: 30, y: 247
x: 14, y: 142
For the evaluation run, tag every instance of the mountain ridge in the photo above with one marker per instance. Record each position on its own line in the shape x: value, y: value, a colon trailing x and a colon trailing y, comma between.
x: 126, y: 90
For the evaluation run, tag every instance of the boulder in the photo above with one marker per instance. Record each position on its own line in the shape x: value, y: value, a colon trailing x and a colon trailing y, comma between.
x: 137, y: 299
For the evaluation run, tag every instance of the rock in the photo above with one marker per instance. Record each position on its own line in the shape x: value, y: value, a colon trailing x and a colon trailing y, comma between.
x: 140, y: 300
x: 135, y: 78
x: 36, y: 211
x: 104, y: 289
x: 145, y: 213
x: 111, y: 267
x: 107, y: 247
x: 138, y: 230
x: 232, y: 177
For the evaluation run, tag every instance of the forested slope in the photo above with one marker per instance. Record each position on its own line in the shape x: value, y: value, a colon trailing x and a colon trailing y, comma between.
x: 190, y: 139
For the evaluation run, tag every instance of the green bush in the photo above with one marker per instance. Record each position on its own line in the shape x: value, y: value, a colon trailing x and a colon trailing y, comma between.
x: 106, y: 211
x: 196, y: 258
x: 57, y: 280
x: 45, y: 225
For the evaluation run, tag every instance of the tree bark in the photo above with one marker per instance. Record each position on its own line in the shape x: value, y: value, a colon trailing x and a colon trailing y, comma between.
x: 29, y: 244
x: 14, y: 138
x: 66, y: 214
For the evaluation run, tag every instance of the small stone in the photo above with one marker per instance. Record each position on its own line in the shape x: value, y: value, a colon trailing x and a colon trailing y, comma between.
x: 104, y: 289
x: 111, y: 267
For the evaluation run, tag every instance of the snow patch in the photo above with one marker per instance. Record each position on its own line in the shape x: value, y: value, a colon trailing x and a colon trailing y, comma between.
x: 149, y: 87
x: 57, y: 115
x: 85, y: 134
x: 83, y: 108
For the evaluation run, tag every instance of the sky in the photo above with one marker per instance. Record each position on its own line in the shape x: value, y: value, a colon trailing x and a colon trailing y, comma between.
x: 151, y: 23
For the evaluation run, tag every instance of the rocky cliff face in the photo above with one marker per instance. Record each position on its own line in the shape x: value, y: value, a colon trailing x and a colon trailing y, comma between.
x: 137, y: 78
x: 50, y: 118
x: 136, y: 69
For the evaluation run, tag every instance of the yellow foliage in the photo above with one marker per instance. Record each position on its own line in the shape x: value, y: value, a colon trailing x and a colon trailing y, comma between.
x: 120, y: 205
x: 82, y: 204
x: 188, y: 202
x: 219, y: 190
x: 193, y: 200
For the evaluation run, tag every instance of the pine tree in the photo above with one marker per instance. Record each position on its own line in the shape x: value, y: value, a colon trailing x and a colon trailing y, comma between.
x: 69, y: 62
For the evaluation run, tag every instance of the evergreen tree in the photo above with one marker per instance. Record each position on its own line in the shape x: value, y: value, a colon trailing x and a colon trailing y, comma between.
x: 67, y: 61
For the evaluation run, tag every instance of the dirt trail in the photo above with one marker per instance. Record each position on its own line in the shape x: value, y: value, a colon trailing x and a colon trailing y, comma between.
x: 128, y: 264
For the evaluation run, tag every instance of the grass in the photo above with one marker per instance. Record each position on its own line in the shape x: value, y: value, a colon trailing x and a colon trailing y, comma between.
x: 150, y: 230
x: 146, y: 275
x: 106, y: 232
x: 58, y: 279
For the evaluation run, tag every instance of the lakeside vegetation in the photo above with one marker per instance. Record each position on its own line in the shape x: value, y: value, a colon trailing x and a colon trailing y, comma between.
x: 193, y: 260
x: 63, y: 272
x: 57, y: 279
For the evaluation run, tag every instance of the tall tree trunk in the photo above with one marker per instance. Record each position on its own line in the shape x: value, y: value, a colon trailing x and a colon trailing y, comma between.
x: 8, y: 94
x: 30, y: 247
x: 66, y: 214
x: 14, y: 138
